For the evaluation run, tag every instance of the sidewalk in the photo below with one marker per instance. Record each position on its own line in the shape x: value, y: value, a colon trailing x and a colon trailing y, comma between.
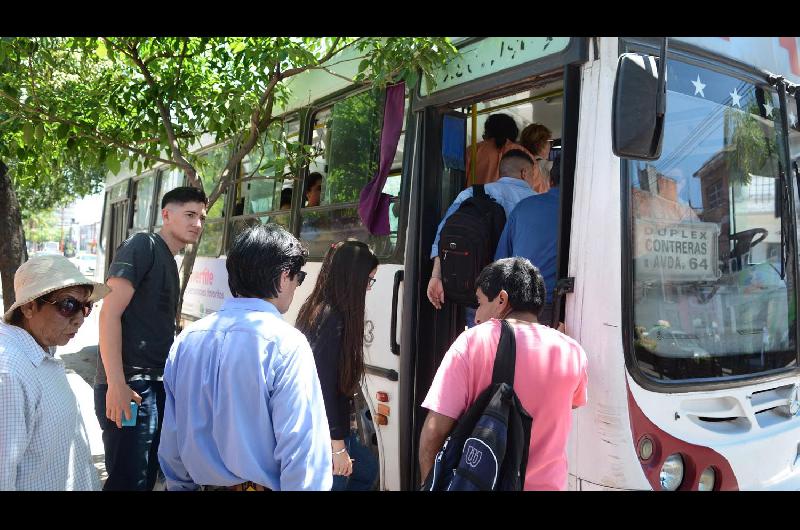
x: 80, y: 356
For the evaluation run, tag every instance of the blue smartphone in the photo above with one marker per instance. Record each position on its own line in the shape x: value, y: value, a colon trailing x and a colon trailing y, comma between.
x: 134, y: 410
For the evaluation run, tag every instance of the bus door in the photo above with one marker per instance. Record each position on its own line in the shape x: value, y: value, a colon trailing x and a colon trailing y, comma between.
x: 117, y: 219
x: 550, y: 100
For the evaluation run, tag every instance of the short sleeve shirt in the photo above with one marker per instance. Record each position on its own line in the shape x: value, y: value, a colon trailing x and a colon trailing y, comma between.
x: 550, y: 379
x: 148, y: 323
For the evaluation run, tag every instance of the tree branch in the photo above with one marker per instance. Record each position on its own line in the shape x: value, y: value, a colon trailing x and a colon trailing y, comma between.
x: 177, y: 155
x: 180, y: 63
x: 180, y: 56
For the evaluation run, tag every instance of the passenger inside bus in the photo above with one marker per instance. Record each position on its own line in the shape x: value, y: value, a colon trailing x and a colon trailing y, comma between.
x: 286, y: 199
x: 519, y: 173
x: 531, y: 232
x: 537, y: 139
x: 499, y: 137
x: 313, y: 192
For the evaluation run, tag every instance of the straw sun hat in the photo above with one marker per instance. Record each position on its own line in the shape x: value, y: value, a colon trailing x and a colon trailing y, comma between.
x: 41, y: 275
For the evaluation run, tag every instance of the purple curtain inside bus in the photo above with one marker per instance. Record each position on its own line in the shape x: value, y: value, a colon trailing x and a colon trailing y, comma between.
x: 373, y: 204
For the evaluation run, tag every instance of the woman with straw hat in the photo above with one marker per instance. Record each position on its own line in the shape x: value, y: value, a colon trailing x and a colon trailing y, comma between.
x: 43, y: 441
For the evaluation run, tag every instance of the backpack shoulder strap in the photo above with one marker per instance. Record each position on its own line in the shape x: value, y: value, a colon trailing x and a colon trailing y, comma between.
x: 506, y: 357
x: 479, y: 191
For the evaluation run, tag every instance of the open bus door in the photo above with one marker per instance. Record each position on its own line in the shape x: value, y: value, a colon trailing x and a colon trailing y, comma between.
x: 430, y: 333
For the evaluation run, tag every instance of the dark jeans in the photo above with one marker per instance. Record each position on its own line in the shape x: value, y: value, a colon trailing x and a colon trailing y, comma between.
x: 365, y: 468
x: 132, y: 452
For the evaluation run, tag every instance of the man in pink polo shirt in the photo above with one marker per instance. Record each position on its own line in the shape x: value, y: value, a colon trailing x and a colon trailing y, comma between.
x: 550, y: 372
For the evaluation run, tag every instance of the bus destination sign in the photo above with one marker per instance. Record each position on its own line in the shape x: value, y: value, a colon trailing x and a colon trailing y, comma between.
x: 677, y: 252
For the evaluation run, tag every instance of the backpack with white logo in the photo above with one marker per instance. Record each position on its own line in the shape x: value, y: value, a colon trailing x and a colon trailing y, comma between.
x: 467, y: 243
x: 488, y: 448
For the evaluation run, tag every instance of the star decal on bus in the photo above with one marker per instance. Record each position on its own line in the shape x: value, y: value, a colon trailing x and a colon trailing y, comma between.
x: 793, y: 119
x: 768, y: 108
x: 698, y: 86
x: 735, y: 97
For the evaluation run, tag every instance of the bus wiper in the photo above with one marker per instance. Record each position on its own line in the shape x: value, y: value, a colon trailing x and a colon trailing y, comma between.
x: 782, y: 198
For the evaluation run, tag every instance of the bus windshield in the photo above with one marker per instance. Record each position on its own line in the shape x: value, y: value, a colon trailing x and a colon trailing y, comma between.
x: 713, y: 294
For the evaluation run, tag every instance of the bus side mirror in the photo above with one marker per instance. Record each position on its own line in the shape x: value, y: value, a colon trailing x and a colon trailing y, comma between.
x: 638, y: 108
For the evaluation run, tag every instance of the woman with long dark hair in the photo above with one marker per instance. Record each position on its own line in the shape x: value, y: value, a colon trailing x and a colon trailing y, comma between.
x: 332, y: 318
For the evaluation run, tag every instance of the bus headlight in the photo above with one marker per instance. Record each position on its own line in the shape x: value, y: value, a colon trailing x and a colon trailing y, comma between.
x: 707, y: 480
x: 671, y: 474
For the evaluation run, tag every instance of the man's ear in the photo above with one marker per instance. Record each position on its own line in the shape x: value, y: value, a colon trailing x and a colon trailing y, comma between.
x: 503, y: 296
x: 164, y: 214
x: 284, y: 279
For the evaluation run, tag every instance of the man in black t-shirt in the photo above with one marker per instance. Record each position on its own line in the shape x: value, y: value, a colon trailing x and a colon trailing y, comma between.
x: 137, y: 327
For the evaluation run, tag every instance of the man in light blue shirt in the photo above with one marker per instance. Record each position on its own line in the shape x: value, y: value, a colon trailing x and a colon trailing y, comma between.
x: 244, y: 408
x: 531, y: 232
x: 517, y: 175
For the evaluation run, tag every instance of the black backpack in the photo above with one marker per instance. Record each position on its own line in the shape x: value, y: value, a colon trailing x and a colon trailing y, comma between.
x: 488, y: 448
x: 467, y: 244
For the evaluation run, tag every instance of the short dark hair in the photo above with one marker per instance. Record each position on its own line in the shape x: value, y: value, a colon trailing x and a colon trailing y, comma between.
x: 513, y: 162
x: 286, y: 196
x: 312, y: 179
x: 517, y: 153
x: 500, y: 127
x: 258, y: 257
x: 184, y: 194
x: 520, y: 278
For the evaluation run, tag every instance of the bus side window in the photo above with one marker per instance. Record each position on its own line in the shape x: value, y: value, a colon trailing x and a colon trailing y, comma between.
x: 264, y: 186
x: 210, y: 167
x: 142, y: 202
x: 347, y: 138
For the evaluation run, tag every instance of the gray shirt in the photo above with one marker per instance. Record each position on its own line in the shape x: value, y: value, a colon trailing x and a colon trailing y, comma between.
x: 148, y: 323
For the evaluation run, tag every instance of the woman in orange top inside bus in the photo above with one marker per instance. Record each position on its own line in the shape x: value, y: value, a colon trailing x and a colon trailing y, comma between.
x: 333, y: 321
x: 537, y: 138
x: 499, y: 136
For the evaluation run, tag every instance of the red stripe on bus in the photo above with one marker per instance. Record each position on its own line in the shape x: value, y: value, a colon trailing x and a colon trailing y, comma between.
x: 696, y: 458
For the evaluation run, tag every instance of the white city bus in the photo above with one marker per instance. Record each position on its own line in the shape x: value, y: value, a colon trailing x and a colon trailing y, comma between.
x: 679, y: 273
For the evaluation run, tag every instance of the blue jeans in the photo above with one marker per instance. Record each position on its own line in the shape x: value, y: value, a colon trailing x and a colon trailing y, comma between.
x: 132, y: 452
x: 365, y: 468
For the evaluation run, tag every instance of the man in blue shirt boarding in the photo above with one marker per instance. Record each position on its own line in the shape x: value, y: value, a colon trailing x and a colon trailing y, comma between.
x: 518, y: 172
x: 244, y: 408
x: 531, y: 232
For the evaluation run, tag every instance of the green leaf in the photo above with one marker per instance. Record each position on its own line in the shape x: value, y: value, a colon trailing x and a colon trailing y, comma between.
x: 27, y: 133
x: 363, y: 65
x: 39, y: 132
x: 411, y: 78
x: 62, y: 131
x: 113, y: 164
x: 101, y: 50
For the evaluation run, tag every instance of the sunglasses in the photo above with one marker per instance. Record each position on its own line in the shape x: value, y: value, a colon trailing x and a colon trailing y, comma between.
x: 372, y: 281
x: 69, y: 307
x: 301, y: 275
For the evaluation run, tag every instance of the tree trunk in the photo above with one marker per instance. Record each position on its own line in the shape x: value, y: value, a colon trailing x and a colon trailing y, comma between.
x: 12, y: 240
x: 186, y: 270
